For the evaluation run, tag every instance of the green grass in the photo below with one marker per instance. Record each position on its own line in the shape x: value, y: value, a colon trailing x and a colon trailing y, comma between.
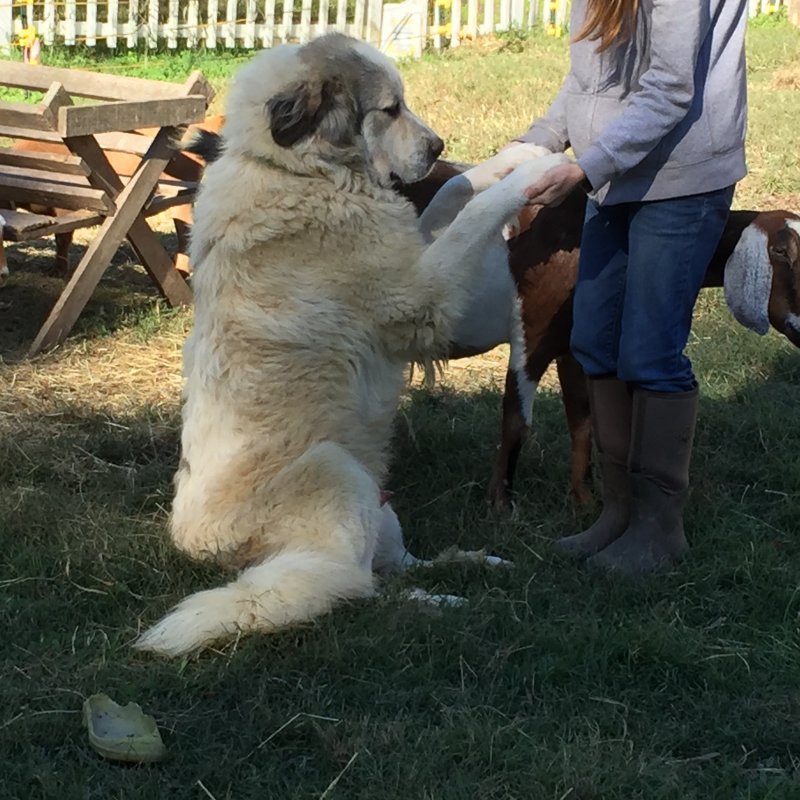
x: 553, y: 683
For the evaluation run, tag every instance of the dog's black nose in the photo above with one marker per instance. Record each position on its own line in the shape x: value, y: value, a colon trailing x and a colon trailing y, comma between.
x: 437, y: 145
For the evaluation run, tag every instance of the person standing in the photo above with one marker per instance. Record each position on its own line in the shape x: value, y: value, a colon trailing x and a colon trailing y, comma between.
x: 654, y: 107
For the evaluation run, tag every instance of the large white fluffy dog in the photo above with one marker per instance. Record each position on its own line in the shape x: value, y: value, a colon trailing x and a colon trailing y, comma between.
x: 315, y: 285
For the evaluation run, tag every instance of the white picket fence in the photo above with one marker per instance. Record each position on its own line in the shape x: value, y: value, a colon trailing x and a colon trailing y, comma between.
x: 401, y: 28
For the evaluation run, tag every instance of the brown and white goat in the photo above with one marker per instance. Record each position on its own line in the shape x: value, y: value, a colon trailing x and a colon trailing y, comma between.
x: 757, y: 261
x: 525, y: 299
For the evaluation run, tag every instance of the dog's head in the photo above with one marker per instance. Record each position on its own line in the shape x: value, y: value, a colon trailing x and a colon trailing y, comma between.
x: 335, y: 100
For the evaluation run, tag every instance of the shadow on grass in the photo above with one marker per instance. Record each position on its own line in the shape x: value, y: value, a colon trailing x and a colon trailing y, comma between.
x: 125, y: 291
x: 553, y: 682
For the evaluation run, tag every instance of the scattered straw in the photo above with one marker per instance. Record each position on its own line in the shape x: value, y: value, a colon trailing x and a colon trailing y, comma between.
x: 787, y: 77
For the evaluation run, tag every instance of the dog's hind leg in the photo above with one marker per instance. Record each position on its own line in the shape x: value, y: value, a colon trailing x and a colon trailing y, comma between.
x: 392, y: 557
x: 311, y: 545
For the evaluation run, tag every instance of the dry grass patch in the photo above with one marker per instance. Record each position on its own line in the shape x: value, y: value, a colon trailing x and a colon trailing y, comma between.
x: 787, y: 77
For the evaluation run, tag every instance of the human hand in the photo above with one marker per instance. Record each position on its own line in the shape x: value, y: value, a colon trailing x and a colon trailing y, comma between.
x: 555, y: 185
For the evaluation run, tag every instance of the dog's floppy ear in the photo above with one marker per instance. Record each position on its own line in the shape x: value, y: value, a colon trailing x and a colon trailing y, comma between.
x: 296, y: 112
x: 748, y: 279
x: 309, y: 108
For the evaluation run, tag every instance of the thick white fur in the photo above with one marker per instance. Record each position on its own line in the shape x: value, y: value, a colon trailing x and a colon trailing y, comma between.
x: 314, y: 288
x: 748, y: 280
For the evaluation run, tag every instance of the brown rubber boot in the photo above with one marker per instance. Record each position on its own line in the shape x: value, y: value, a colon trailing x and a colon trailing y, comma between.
x: 611, y: 407
x: 661, y: 448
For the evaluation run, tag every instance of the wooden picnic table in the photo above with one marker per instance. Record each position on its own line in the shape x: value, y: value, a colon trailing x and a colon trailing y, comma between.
x: 131, y: 115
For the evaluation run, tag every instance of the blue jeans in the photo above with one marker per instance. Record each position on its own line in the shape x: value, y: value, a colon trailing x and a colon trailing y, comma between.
x: 641, y: 269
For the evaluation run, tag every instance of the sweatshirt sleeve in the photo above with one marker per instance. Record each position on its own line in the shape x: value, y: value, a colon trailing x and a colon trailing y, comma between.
x: 550, y: 131
x: 667, y: 88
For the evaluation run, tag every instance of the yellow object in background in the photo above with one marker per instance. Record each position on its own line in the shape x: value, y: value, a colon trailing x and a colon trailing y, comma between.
x: 28, y: 40
x: 554, y: 28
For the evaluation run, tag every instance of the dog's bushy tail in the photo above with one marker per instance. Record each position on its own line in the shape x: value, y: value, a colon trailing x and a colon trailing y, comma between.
x: 286, y: 589
x: 205, y: 144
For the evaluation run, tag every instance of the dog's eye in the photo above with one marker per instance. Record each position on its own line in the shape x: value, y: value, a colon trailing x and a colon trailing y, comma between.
x: 392, y: 110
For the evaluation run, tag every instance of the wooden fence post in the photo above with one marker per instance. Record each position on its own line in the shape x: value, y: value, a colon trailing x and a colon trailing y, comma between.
x: 6, y: 28
x: 794, y: 12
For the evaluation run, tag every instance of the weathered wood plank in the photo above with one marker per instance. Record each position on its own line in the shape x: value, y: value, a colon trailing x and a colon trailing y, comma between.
x: 127, y: 116
x: 21, y: 189
x: 53, y: 162
x: 196, y: 83
x: 133, y: 143
x: 23, y: 115
x: 10, y: 132
x: 55, y: 99
x: 21, y: 226
x: 49, y: 176
x: 83, y: 83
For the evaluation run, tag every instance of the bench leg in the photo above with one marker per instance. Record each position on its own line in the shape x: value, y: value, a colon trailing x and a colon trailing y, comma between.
x: 127, y: 222
x: 3, y: 262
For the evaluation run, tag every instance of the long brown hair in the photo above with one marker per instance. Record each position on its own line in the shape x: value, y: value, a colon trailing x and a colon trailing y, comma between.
x: 608, y: 21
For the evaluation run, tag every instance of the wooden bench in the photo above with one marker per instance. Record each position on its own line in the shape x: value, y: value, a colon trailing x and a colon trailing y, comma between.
x: 77, y: 172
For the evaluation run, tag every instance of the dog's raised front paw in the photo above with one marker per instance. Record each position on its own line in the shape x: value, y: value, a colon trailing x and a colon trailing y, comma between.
x: 489, y: 172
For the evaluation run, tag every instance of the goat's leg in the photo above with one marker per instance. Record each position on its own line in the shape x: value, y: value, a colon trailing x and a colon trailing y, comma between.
x: 521, y: 386
x: 576, y: 406
x: 61, y: 267
x: 182, y: 220
x: 513, y: 433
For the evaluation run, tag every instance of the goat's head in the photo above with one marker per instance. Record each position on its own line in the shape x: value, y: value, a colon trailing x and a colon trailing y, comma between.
x: 762, y: 276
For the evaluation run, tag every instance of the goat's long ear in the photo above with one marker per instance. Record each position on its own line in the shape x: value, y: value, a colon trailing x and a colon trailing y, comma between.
x: 748, y: 280
x: 295, y: 113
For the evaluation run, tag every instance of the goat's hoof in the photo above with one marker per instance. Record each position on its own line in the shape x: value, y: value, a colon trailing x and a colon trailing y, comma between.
x: 501, y: 500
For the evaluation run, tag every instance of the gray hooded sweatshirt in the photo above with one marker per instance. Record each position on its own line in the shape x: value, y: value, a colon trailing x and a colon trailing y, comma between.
x: 662, y: 115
